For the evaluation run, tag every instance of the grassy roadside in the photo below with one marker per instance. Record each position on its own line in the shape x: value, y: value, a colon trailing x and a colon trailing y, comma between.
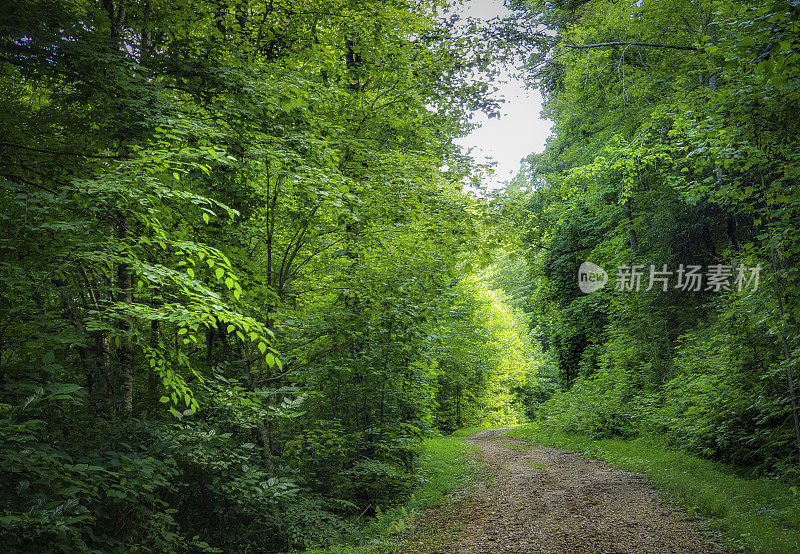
x: 758, y: 515
x: 469, y: 431
x: 445, y: 466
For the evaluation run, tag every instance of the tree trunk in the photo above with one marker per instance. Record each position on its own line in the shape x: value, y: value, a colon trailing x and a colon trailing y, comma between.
x: 125, y: 350
x: 786, y: 349
x: 633, y: 241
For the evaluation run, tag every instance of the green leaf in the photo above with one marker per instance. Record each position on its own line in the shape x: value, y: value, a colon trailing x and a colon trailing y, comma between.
x: 61, y: 391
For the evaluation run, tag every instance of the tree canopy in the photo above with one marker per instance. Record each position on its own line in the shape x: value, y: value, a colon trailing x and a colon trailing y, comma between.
x: 240, y: 273
x: 246, y: 269
x: 674, y: 148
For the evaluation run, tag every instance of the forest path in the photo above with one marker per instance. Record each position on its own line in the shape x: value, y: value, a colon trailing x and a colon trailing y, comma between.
x: 543, y: 500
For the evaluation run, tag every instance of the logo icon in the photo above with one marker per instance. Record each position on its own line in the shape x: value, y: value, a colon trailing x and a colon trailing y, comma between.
x: 591, y: 277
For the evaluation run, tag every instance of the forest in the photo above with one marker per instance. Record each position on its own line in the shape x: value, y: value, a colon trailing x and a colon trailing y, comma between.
x: 247, y: 270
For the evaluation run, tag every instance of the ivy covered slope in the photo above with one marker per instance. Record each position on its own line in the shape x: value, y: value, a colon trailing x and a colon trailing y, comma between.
x: 236, y: 283
x: 676, y: 142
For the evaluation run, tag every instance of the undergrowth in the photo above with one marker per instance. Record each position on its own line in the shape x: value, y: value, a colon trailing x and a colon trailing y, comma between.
x: 445, y: 465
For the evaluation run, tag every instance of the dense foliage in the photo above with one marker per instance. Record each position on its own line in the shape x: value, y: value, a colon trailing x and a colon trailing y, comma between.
x: 242, y: 279
x: 675, y: 145
x: 239, y: 272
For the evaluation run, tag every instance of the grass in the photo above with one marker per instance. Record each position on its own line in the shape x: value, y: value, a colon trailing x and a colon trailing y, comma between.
x: 445, y: 466
x: 758, y: 515
x: 467, y: 431
x: 516, y: 446
x: 535, y: 465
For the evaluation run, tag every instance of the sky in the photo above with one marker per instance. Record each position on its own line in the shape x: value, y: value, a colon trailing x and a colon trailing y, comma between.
x: 519, y: 130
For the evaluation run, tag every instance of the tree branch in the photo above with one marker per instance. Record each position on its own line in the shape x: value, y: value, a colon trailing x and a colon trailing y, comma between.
x: 633, y: 43
x: 59, y: 153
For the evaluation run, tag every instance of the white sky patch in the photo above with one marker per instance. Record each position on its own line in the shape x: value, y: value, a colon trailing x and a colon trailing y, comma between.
x: 519, y: 131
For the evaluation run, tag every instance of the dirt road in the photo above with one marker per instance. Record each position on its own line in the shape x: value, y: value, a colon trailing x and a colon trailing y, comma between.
x: 544, y: 500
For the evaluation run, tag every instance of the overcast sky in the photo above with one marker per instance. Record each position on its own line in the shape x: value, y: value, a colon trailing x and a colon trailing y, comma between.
x: 518, y: 131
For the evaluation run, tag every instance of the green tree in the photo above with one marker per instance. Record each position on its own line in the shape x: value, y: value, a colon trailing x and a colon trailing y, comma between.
x: 224, y: 233
x: 673, y: 145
